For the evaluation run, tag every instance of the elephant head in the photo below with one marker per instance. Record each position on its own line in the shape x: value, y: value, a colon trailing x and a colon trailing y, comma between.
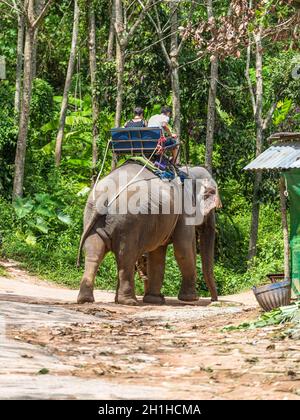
x: 209, y: 200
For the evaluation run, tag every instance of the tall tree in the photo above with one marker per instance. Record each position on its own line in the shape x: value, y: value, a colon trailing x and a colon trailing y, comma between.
x: 261, y: 123
x: 124, y: 32
x: 34, y: 12
x: 211, y: 106
x: 174, y: 67
x: 68, y: 81
x: 111, y: 36
x: 171, y: 55
x: 125, y: 27
x: 19, y: 64
x: 120, y: 58
x: 93, y: 70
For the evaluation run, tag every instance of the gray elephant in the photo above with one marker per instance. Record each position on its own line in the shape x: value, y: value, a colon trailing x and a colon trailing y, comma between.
x: 148, y: 228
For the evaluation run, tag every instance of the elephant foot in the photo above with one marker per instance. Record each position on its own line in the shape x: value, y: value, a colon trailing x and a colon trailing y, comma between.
x: 214, y: 299
x: 188, y: 297
x: 154, y: 299
x: 85, y: 296
x: 125, y: 300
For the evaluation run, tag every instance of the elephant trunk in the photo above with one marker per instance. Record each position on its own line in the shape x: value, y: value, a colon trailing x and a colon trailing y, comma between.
x: 207, y: 250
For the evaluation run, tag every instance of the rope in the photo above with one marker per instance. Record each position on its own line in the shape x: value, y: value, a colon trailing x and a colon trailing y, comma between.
x: 100, y: 172
x: 130, y: 182
x: 165, y: 241
x: 286, y: 192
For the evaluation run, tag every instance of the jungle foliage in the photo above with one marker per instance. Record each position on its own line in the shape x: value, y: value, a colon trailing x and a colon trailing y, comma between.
x: 42, y: 229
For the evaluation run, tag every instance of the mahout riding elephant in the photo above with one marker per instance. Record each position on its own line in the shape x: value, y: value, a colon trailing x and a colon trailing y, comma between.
x: 132, y: 212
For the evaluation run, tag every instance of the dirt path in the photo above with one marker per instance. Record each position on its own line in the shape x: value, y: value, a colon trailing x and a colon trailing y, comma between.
x: 52, y: 348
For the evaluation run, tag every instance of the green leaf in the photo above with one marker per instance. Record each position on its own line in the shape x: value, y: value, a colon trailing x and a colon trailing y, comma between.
x: 45, y: 211
x: 79, y: 163
x: 84, y: 191
x: 41, y: 225
x: 85, y: 113
x: 30, y: 240
x: 74, y: 120
x: 282, y: 110
x: 22, y: 207
x: 228, y: 119
x: 57, y: 99
x: 49, y: 126
x: 75, y: 101
x: 44, y: 198
x: 65, y: 218
x: 48, y: 148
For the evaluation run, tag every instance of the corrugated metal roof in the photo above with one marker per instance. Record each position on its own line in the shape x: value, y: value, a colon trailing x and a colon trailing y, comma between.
x: 278, y: 156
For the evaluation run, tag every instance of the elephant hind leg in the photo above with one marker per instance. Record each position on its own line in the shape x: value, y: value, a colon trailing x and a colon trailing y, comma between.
x: 125, y: 294
x: 95, y: 251
x: 141, y: 269
x: 155, y: 271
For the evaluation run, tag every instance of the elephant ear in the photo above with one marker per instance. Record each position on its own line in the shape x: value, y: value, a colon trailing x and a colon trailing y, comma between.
x: 209, y: 196
x: 205, y: 191
x: 211, y: 199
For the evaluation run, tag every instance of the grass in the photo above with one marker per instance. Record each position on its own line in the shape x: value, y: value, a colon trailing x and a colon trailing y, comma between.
x: 3, y: 272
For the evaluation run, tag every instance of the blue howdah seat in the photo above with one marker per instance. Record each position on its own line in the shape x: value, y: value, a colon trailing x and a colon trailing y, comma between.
x: 134, y: 140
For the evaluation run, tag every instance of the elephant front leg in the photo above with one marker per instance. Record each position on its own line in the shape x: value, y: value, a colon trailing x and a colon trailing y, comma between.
x: 155, y: 270
x: 185, y: 255
x: 207, y: 247
x: 94, y: 253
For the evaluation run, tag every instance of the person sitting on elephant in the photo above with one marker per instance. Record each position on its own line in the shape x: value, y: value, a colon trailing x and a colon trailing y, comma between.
x: 138, y: 119
x: 162, y: 121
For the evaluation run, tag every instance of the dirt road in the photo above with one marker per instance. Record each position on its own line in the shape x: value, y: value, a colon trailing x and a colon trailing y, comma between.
x: 51, y: 347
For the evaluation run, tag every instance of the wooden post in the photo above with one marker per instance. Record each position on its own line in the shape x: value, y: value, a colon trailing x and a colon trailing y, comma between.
x: 284, y: 228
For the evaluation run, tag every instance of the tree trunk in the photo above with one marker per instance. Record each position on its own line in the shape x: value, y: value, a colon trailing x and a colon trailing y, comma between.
x: 35, y: 11
x: 19, y: 67
x: 176, y: 97
x: 259, y: 144
x: 39, y: 7
x: 211, y: 113
x: 93, y: 69
x: 255, y: 217
x: 70, y: 70
x: 120, y: 60
x: 175, y: 68
x: 34, y: 55
x: 123, y: 35
x: 211, y: 106
x: 111, y: 36
x: 24, y: 114
x: 285, y: 229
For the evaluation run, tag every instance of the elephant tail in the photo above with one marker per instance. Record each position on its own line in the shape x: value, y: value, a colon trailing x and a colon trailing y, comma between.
x: 94, y: 217
x: 84, y: 235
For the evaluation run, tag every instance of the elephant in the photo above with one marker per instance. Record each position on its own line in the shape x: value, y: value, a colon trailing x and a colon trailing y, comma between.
x: 147, y: 230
